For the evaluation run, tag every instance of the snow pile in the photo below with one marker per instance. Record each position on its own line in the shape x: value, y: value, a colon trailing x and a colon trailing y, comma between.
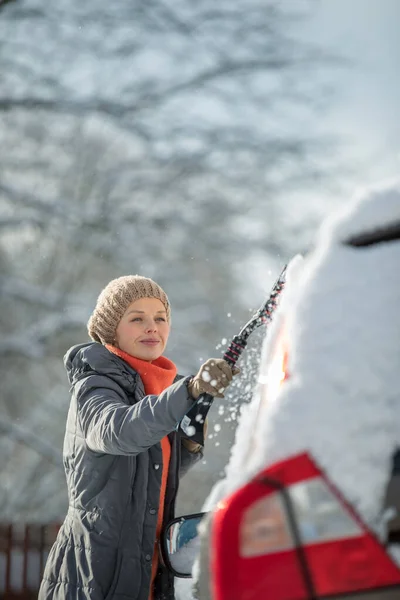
x: 183, y: 589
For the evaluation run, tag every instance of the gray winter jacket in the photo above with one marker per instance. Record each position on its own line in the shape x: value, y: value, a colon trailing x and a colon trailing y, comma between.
x: 113, y: 465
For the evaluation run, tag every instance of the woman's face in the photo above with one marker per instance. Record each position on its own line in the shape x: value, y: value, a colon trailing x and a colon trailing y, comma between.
x: 143, y: 330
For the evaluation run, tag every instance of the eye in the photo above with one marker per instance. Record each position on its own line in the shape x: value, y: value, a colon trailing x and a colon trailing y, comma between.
x: 161, y: 319
x: 136, y: 319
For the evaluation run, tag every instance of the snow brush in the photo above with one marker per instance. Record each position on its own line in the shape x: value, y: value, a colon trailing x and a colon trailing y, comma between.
x: 192, y: 423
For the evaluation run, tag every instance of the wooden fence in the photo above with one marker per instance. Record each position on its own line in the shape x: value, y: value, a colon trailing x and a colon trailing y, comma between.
x: 23, y: 553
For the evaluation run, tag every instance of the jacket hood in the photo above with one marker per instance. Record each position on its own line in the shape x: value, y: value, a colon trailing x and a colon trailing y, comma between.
x: 93, y: 356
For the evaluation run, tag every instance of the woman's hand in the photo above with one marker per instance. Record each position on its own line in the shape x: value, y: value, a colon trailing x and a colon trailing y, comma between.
x: 213, y: 378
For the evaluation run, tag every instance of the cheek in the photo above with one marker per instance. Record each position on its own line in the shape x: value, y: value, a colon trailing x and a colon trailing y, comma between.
x: 165, y: 332
x: 128, y: 330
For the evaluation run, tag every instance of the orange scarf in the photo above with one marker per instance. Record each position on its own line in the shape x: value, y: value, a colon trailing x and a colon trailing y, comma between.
x: 156, y: 376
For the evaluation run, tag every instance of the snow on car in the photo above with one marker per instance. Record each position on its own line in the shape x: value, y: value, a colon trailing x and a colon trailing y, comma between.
x: 325, y: 416
x: 337, y: 335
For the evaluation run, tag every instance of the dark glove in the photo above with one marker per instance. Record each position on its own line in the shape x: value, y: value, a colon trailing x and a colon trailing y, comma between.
x: 213, y: 378
x: 192, y: 446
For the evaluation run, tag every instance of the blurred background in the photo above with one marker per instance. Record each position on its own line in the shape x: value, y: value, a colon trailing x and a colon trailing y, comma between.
x: 197, y: 143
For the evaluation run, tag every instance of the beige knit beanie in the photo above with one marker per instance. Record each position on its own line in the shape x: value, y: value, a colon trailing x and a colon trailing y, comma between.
x: 115, y: 299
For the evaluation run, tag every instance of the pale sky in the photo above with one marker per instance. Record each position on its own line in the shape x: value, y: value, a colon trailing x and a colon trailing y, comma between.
x: 364, y: 110
x: 367, y: 107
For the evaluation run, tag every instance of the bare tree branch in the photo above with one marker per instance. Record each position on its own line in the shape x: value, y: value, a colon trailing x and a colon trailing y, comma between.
x: 33, y: 294
x: 31, y: 439
x: 16, y: 222
x: 164, y: 149
x: 150, y: 100
x: 4, y: 2
x: 31, y: 342
x: 32, y: 202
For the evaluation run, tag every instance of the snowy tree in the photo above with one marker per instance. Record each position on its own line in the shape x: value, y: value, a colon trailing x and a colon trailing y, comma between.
x: 142, y: 137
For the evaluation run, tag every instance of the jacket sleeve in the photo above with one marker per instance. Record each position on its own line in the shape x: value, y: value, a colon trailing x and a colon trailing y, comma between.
x: 110, y: 426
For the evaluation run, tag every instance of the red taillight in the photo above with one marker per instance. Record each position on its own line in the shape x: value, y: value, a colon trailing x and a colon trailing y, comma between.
x: 289, y: 535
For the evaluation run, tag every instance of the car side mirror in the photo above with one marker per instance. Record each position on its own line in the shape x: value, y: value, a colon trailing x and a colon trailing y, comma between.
x: 180, y: 544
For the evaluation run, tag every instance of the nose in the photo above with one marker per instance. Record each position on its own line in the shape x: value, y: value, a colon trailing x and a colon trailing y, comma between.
x: 151, y: 327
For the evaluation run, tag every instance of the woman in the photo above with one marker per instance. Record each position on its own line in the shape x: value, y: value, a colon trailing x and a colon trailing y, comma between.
x: 122, y: 456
